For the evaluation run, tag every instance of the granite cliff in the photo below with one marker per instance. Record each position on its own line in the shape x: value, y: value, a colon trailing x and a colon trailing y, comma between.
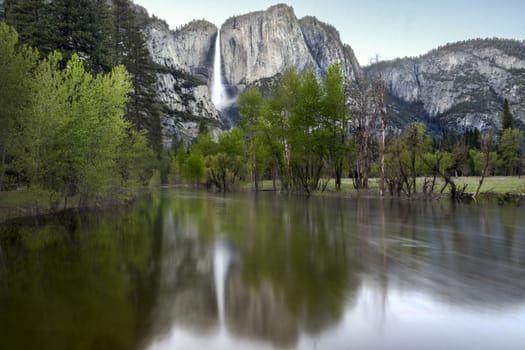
x: 184, y: 60
x: 458, y: 86
x: 256, y: 47
x: 260, y: 46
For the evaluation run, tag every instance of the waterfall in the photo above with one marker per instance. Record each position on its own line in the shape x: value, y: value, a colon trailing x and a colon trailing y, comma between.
x: 217, y: 88
x: 221, y: 263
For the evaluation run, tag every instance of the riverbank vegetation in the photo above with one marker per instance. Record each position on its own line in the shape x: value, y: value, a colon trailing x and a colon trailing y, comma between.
x: 64, y: 131
x: 307, y: 135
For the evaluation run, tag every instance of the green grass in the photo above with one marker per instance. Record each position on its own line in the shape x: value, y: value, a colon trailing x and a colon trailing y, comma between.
x: 23, y: 202
x: 493, y: 184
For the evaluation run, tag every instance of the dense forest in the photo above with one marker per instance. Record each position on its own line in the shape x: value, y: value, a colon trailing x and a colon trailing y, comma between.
x: 79, y: 117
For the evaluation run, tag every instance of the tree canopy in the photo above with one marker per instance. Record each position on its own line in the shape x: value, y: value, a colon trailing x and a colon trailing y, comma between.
x: 63, y: 129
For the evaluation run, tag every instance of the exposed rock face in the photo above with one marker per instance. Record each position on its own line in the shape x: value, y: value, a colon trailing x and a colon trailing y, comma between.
x: 264, y: 44
x: 459, y: 86
x: 259, y: 47
x: 189, y: 48
x: 184, y: 60
x: 187, y: 107
x: 326, y: 48
x: 256, y: 47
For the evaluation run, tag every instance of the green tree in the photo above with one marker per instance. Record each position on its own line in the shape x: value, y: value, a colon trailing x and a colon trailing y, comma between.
x: 195, y: 167
x: 307, y: 139
x: 2, y: 11
x: 16, y: 65
x: 282, y: 102
x: 33, y: 21
x: 131, y: 51
x: 299, y: 131
x: 225, y: 166
x: 250, y: 107
x: 507, y: 119
x: 406, y: 158
x: 74, y: 134
x: 336, y: 118
x: 135, y: 163
x: 509, y: 148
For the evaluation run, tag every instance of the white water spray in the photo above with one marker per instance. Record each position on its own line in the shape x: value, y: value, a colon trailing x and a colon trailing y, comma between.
x: 217, y: 88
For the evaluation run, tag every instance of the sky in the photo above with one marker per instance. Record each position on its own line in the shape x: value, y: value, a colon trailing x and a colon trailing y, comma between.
x: 390, y: 29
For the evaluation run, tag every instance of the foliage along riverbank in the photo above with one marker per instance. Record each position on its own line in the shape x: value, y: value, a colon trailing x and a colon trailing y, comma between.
x: 14, y: 204
x: 64, y: 136
x: 25, y: 203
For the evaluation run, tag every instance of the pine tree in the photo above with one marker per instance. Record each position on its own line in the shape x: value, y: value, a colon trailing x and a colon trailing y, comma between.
x: 83, y: 27
x: 131, y: 51
x: 105, y: 55
x: 33, y: 21
x: 2, y: 11
x: 507, y: 116
x: 15, y: 65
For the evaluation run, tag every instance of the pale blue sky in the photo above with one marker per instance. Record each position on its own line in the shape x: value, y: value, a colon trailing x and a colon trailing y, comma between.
x: 388, y: 28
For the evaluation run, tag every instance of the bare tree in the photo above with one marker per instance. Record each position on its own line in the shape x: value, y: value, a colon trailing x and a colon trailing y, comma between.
x: 488, y: 145
x: 367, y: 104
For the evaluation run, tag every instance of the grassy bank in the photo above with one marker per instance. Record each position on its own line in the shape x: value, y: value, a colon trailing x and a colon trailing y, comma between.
x: 492, y: 185
x: 27, y: 203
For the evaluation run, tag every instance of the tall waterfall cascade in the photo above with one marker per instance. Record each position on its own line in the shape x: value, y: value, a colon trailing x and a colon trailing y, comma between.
x: 217, y: 88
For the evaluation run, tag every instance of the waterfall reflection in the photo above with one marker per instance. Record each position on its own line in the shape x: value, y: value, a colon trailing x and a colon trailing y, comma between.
x: 302, y: 267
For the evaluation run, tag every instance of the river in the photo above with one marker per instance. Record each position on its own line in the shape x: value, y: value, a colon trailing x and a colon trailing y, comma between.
x: 194, y: 270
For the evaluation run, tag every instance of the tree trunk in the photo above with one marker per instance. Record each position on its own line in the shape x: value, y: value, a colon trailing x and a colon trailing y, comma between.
x: 2, y: 168
x: 338, y: 176
x: 483, y: 174
x: 382, y: 174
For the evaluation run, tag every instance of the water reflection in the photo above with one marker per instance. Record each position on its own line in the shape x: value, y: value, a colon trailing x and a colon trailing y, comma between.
x: 326, y: 273
x: 200, y: 271
x: 78, y: 281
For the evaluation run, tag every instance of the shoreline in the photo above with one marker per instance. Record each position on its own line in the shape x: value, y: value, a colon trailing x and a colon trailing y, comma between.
x: 23, y: 210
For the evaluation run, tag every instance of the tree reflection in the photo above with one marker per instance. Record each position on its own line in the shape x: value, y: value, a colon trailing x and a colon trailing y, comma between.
x: 294, y: 268
x: 78, y: 281
x: 300, y: 263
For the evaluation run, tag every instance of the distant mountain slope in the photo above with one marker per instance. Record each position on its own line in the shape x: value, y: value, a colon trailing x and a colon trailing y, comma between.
x: 458, y: 86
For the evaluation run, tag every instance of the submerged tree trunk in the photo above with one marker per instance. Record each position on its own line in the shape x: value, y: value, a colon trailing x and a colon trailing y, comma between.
x: 382, y: 172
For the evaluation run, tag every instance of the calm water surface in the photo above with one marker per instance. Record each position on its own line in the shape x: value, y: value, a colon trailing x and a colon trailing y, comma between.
x: 188, y: 270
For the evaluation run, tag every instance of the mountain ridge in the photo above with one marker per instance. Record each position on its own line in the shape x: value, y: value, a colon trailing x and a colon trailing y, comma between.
x: 460, y: 85
x: 455, y: 86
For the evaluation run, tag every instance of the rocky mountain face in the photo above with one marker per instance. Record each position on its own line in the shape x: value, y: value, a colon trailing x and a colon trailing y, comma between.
x: 189, y: 48
x: 458, y: 86
x: 255, y: 47
x: 262, y: 45
x: 184, y: 61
